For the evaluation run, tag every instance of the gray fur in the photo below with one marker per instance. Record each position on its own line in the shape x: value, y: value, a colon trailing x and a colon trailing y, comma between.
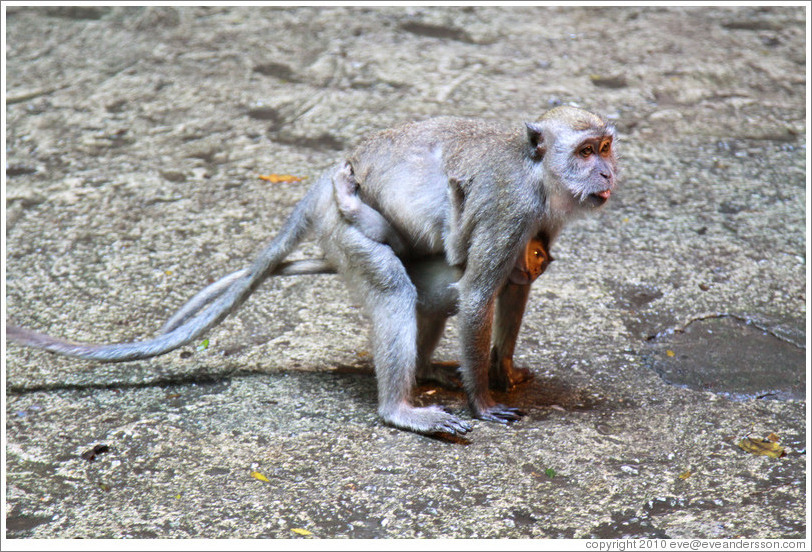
x: 360, y: 215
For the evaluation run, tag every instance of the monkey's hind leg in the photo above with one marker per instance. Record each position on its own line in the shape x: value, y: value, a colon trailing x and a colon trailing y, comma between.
x: 390, y: 300
x: 429, y: 331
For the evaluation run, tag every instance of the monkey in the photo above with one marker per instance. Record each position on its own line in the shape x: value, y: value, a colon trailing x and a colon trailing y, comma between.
x: 515, y: 182
x: 513, y: 185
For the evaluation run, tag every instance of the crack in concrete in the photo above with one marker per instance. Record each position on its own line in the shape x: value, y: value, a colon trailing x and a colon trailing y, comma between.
x: 167, y: 381
x: 720, y: 315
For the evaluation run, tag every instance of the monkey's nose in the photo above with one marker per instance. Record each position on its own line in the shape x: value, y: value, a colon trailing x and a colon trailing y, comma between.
x: 606, y: 176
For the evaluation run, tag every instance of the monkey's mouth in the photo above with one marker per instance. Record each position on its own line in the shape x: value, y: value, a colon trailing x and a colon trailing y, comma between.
x: 599, y: 198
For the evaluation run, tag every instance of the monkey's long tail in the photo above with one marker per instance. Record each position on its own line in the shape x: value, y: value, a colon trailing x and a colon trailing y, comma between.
x: 201, y: 300
x: 228, y: 300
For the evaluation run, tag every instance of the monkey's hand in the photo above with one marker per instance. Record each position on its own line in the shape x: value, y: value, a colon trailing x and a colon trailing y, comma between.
x: 497, y: 413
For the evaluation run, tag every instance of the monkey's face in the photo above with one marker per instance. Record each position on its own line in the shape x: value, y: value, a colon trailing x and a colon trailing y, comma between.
x: 532, y: 263
x: 538, y: 258
x: 577, y: 149
x: 591, y: 169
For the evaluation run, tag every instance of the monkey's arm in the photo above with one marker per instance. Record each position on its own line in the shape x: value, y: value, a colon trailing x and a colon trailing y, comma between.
x: 478, y: 288
x: 510, y: 305
x: 377, y: 228
x: 366, y: 219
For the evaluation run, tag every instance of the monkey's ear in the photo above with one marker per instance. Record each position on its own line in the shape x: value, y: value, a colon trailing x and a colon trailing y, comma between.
x: 535, y: 135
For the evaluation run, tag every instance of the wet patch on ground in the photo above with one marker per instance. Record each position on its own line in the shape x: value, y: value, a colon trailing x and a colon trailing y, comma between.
x: 633, y: 302
x: 17, y: 525
x: 730, y: 357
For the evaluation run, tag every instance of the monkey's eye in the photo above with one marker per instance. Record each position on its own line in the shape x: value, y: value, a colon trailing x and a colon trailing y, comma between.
x: 537, y: 253
x: 586, y: 151
x: 606, y: 147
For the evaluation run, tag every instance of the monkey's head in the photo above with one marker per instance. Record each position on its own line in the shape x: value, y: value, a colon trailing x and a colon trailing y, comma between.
x: 533, y: 262
x: 577, y: 150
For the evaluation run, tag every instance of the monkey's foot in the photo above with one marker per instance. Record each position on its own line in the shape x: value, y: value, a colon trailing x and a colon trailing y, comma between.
x: 429, y: 419
x: 497, y: 413
x: 508, y: 378
x: 503, y: 375
x: 446, y: 374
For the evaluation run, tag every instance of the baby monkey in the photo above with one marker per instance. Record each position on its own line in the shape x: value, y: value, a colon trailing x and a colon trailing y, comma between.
x: 434, y: 279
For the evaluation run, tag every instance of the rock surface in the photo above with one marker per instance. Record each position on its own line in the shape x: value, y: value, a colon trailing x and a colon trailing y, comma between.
x: 135, y: 138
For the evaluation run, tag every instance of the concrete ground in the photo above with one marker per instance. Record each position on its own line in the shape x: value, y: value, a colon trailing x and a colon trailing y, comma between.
x: 671, y: 326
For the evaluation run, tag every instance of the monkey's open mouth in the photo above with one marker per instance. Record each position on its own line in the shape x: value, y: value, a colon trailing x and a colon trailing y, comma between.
x: 599, y: 198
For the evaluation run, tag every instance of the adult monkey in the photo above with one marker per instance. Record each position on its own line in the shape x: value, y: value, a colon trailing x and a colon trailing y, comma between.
x: 513, y: 184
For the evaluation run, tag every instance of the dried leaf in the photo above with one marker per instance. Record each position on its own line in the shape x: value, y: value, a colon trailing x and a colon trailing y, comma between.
x: 609, y: 81
x: 303, y: 532
x: 670, y: 353
x: 685, y: 475
x: 277, y: 178
x: 762, y: 447
x: 259, y: 476
x: 773, y: 437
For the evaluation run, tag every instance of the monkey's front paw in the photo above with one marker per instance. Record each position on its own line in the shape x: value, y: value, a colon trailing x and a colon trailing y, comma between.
x: 498, y: 413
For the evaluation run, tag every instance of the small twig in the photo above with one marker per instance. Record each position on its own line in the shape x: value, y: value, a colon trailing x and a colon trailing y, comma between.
x: 449, y: 89
x: 19, y: 97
